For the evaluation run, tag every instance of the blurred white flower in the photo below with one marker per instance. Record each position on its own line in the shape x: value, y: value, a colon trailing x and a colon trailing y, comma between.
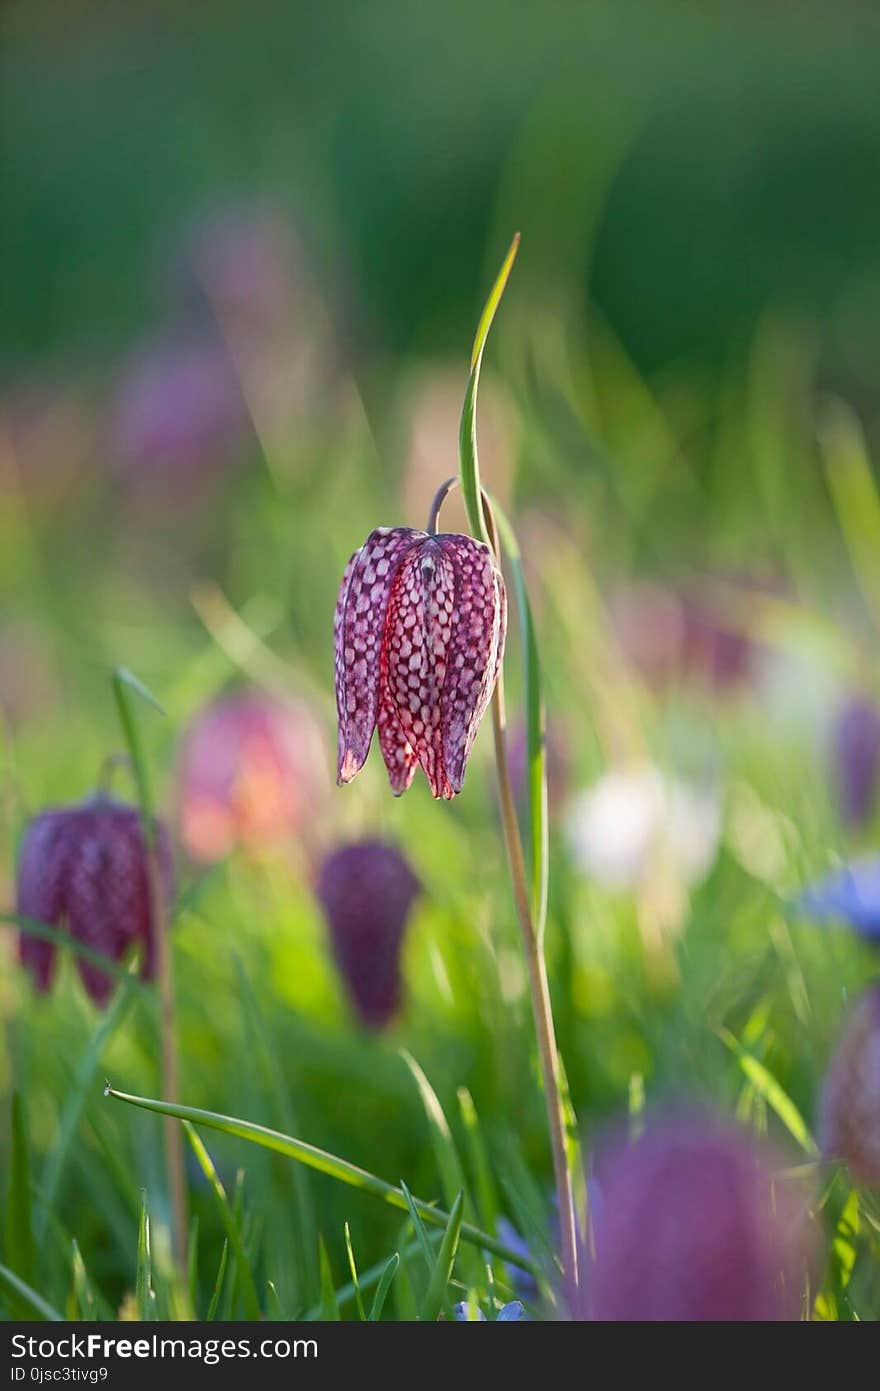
x: 632, y: 823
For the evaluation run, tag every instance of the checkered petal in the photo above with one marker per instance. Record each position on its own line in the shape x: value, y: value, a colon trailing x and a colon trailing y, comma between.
x: 414, y: 663
x: 361, y: 612
x: 400, y: 757
x: 40, y: 889
x: 474, y: 649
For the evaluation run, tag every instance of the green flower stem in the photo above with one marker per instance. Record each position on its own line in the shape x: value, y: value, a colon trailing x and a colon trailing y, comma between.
x: 530, y: 904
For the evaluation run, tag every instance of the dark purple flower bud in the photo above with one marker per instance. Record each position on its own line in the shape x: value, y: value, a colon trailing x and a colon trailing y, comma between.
x: 84, y: 869
x: 851, y: 895
x: 850, y: 1109
x: 692, y: 1228
x: 252, y: 773
x: 856, y: 755
x: 366, y: 891
x: 419, y: 637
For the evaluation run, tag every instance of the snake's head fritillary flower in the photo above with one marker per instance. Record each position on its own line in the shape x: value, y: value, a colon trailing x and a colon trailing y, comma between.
x: 366, y: 891
x: 850, y: 1111
x: 849, y: 895
x: 693, y: 1227
x: 856, y: 755
x: 252, y: 772
x: 419, y: 638
x: 84, y: 869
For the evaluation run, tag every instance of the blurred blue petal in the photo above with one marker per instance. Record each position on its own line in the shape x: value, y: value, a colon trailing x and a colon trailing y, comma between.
x: 511, y: 1312
x: 851, y: 894
x: 463, y: 1314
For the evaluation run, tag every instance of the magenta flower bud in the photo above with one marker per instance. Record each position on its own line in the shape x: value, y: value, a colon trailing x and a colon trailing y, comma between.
x: 252, y: 773
x: 366, y: 891
x: 856, y: 755
x: 692, y: 1228
x: 84, y: 869
x: 850, y: 1108
x: 419, y: 637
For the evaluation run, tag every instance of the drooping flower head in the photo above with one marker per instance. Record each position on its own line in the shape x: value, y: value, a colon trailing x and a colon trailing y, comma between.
x: 850, y: 1111
x: 252, y: 772
x: 856, y: 756
x: 84, y: 869
x: 692, y: 1228
x: 419, y: 638
x: 366, y: 891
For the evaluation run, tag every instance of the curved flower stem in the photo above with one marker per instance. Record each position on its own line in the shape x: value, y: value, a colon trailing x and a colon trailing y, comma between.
x: 439, y: 498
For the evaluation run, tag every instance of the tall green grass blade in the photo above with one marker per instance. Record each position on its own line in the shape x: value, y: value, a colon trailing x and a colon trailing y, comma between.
x: 448, y: 1162
x: 37, y: 1307
x: 470, y: 468
x: 324, y: 1162
x: 418, y: 1226
x: 855, y: 496
x: 192, y: 1266
x: 435, y: 1297
x: 771, y: 1091
x: 124, y: 685
x: 229, y: 1219
x: 81, y: 1302
x: 349, y: 1249
x: 481, y: 1170
x: 385, y: 1282
x: 329, y: 1305
x: 145, y: 1296
x: 19, y: 1248
x: 218, y: 1283
x: 274, y: 1310
x: 75, y: 1100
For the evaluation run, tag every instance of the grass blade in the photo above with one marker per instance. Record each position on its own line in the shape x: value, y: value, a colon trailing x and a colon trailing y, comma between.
x: 772, y: 1092
x: 228, y: 1218
x: 481, y: 1170
x: 324, y: 1162
x: 354, y: 1275
x: 448, y: 1162
x: 19, y: 1243
x: 329, y: 1305
x: 435, y: 1297
x: 145, y: 1296
x: 470, y: 468
x: 37, y: 1306
x: 418, y: 1227
x: 385, y: 1282
x: 218, y: 1283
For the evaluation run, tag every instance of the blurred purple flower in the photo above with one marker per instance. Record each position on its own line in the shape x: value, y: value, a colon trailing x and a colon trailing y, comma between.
x: 84, y: 868
x: 691, y: 1228
x: 366, y: 891
x: 856, y: 755
x: 508, y: 1313
x: 670, y: 636
x: 851, y: 895
x: 252, y: 773
x: 179, y: 414
x: 850, y: 1108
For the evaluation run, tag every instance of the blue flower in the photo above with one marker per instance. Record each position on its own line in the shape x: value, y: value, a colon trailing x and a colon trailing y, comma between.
x: 508, y: 1313
x: 851, y: 895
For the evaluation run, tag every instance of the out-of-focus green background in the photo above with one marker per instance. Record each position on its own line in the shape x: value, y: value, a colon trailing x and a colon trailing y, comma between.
x: 680, y: 390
